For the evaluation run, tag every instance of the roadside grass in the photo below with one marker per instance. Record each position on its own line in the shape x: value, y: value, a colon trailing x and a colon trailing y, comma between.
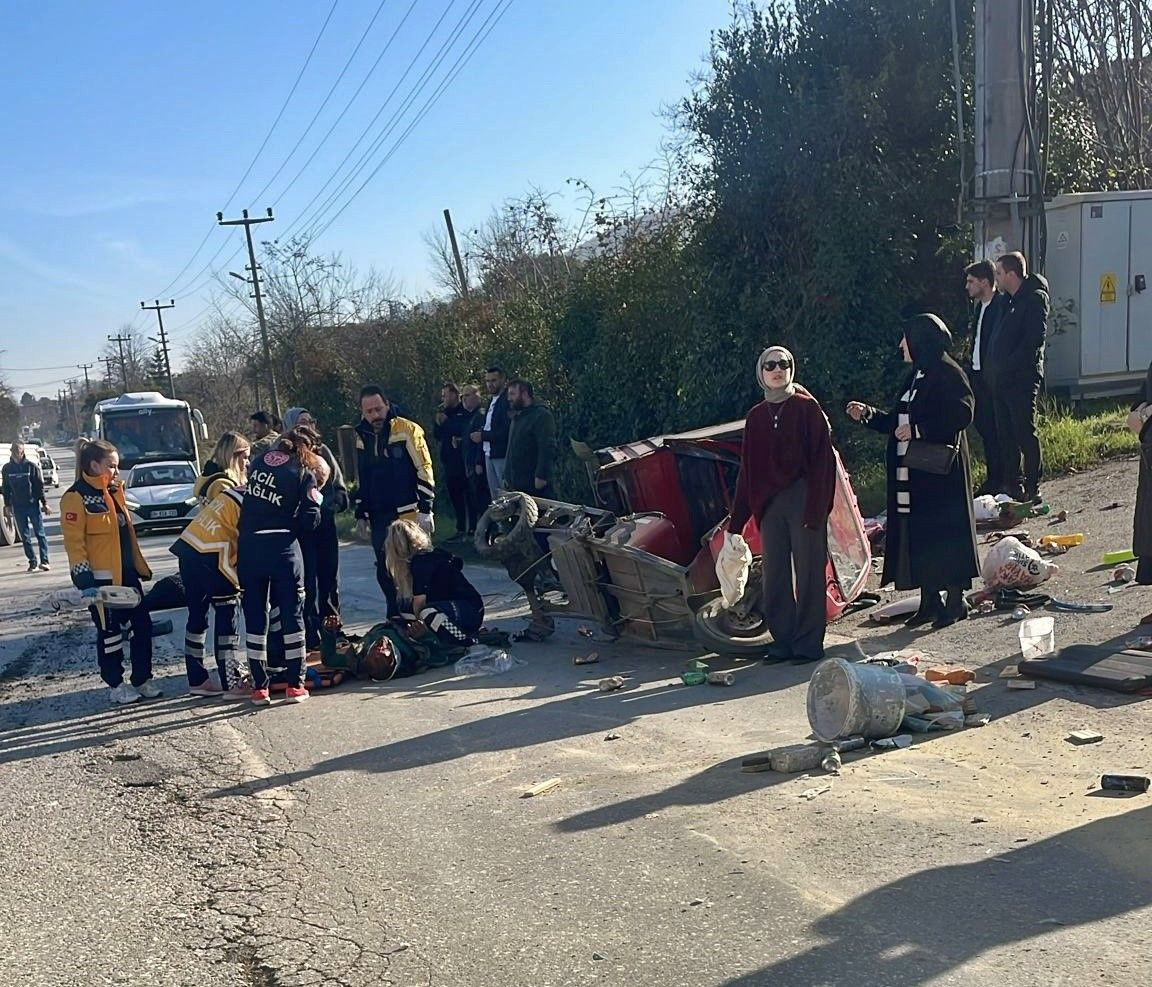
x: 1072, y: 439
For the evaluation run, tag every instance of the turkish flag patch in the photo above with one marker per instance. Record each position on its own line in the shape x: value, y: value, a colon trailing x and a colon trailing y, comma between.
x: 70, y: 516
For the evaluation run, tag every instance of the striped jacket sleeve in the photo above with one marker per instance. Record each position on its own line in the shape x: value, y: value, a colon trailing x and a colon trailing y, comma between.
x: 422, y: 461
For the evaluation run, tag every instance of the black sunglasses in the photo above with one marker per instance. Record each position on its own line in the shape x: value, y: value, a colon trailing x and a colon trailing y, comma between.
x: 773, y: 364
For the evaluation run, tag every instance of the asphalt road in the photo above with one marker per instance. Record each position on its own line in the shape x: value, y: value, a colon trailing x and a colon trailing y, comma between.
x: 377, y: 834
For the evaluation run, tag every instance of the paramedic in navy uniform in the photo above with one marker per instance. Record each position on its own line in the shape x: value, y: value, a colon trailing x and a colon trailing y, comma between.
x: 282, y: 500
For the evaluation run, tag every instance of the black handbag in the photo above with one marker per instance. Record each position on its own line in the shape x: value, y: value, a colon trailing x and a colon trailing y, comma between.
x: 931, y: 457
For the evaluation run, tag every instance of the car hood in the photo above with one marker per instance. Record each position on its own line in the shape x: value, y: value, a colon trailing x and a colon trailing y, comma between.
x: 168, y: 493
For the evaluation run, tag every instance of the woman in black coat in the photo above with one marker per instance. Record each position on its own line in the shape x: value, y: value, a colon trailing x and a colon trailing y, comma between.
x: 931, y: 536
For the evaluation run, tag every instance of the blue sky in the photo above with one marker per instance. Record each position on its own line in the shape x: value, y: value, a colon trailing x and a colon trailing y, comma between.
x: 127, y: 125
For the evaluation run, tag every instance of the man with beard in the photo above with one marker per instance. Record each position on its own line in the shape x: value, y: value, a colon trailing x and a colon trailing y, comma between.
x: 531, y: 443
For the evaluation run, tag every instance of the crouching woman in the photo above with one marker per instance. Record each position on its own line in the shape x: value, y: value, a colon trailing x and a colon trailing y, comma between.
x: 103, y: 551
x: 431, y: 585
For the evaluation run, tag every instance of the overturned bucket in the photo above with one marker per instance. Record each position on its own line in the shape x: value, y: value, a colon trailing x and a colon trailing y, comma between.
x: 849, y: 700
x: 1037, y: 637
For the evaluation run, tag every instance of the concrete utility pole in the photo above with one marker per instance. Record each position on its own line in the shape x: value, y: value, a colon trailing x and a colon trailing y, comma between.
x: 162, y: 342
x: 1006, y: 196
x: 456, y: 253
x: 85, y: 367
x: 107, y: 361
x: 120, y: 341
x: 255, y: 269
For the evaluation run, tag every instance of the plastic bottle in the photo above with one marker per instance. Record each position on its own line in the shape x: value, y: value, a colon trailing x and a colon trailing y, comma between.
x: 485, y: 661
x: 1064, y: 541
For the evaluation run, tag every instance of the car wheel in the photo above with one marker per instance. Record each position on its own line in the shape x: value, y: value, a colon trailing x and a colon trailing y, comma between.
x: 739, y: 631
x: 8, y: 535
x: 505, y: 530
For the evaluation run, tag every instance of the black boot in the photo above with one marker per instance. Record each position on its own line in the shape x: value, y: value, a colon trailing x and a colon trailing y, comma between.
x: 955, y: 608
x: 930, y: 608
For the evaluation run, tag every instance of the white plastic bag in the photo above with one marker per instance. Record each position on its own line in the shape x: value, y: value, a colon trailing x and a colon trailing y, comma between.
x: 985, y: 508
x: 1011, y: 565
x: 733, y: 563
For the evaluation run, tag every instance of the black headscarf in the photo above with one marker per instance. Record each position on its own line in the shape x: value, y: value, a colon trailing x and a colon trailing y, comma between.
x: 928, y: 339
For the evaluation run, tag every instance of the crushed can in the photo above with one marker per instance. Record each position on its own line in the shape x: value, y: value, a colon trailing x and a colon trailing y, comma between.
x: 1124, y: 573
x: 721, y: 678
x: 611, y: 684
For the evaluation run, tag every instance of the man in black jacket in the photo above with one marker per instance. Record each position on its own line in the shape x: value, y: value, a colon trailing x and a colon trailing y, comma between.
x: 531, y: 443
x: 1016, y: 368
x: 988, y: 307
x: 451, y: 420
x: 494, y: 435
x: 479, y: 496
x: 23, y: 486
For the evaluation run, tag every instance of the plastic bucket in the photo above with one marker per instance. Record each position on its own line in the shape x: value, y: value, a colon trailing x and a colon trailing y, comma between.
x: 1037, y: 637
x: 849, y: 700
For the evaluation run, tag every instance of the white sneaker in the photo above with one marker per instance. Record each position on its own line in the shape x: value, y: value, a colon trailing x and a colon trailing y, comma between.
x: 206, y: 688
x: 123, y: 694
x: 148, y: 691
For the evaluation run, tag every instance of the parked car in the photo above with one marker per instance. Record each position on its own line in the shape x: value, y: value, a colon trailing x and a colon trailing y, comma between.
x: 9, y: 535
x: 641, y: 562
x: 48, y: 468
x: 159, y: 495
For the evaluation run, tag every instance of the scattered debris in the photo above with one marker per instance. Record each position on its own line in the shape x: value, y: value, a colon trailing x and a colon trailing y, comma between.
x: 540, y: 789
x: 832, y: 762
x: 1071, y: 606
x: 597, y: 956
x: 612, y: 736
x: 1117, y: 556
x: 789, y: 760
x: 1124, y: 573
x: 1059, y: 518
x: 952, y: 676
x: 693, y: 677
x: 977, y: 719
x: 1113, y: 506
x: 811, y: 793
x: 695, y: 901
x: 585, y: 632
x: 1084, y: 737
x: 979, y: 819
x: 898, y: 742
x: 1139, y: 643
x: 612, y: 683
x: 1021, y: 613
x: 721, y: 678
x: 589, y: 659
x: 1125, y: 783
x: 1021, y: 684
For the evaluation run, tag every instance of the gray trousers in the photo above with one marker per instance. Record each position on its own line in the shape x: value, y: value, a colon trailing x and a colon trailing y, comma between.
x: 794, y: 580
x: 494, y: 469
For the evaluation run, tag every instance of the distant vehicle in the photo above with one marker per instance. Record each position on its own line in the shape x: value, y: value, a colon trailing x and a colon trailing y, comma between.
x: 159, y: 495
x: 146, y: 427
x: 49, y: 468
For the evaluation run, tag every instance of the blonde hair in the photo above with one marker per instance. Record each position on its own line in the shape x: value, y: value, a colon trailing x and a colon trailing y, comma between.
x: 404, y: 540
x: 228, y: 447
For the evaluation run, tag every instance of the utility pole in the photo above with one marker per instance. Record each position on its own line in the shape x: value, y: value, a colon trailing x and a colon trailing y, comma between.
x: 1007, y: 197
x: 85, y: 367
x: 162, y: 342
x: 255, y: 269
x: 107, y: 361
x: 456, y: 254
x: 120, y: 340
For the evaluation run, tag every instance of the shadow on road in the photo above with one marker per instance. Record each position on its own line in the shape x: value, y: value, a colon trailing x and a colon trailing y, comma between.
x: 919, y: 927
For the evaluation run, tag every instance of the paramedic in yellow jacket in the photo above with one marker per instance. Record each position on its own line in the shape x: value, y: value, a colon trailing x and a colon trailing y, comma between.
x: 394, y: 473
x: 206, y: 550
x: 102, y: 551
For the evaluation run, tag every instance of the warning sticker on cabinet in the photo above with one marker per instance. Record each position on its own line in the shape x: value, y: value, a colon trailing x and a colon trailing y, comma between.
x: 1107, y: 289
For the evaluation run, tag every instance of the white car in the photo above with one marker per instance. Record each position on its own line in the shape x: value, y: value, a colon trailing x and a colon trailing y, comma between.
x: 48, y: 468
x: 159, y: 495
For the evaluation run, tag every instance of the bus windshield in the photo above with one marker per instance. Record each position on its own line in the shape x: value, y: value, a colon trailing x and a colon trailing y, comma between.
x: 149, y: 435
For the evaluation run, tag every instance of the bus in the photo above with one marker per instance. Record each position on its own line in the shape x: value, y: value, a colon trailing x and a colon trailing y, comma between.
x: 146, y: 427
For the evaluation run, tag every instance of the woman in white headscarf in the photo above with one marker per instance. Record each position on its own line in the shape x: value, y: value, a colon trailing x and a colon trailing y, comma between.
x: 787, y: 482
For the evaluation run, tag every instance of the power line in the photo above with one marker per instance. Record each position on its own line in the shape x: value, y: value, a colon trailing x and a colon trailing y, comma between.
x: 347, y: 107
x: 360, y: 140
x: 251, y: 164
x: 316, y: 115
x: 457, y: 68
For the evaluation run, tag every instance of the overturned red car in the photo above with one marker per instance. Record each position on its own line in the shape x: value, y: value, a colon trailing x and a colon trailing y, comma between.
x: 641, y: 562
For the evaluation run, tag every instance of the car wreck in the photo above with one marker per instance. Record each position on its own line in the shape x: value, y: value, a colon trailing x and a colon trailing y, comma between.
x: 641, y: 561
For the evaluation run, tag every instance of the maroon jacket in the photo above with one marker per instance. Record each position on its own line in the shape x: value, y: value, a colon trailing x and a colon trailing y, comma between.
x: 784, y: 443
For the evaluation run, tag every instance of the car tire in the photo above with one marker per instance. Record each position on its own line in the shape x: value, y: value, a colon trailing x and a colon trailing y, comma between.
x: 8, y: 533
x: 505, y: 530
x: 717, y: 628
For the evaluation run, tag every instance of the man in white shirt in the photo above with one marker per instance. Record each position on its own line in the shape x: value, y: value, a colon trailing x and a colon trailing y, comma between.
x: 988, y: 307
x: 494, y: 435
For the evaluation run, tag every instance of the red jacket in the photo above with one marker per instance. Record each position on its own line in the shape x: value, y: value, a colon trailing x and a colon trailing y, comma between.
x: 784, y: 443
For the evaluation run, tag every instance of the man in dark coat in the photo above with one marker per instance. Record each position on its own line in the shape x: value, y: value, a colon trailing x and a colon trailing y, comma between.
x: 1016, y: 369
x: 531, y: 443
x: 451, y: 419
x: 931, y: 537
x: 988, y: 307
x: 479, y: 497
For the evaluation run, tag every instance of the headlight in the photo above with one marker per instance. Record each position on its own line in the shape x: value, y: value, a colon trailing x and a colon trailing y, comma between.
x: 192, y: 502
x: 132, y: 505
